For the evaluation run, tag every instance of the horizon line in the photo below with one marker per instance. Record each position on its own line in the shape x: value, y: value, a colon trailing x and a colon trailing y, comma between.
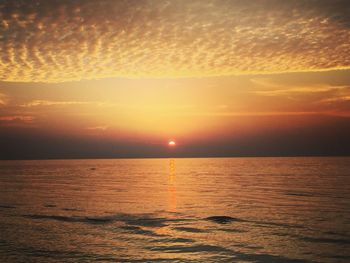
x: 187, y: 157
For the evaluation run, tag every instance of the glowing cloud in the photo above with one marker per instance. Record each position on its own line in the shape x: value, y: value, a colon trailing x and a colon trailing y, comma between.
x: 17, y: 118
x: 48, y: 103
x: 3, y: 99
x: 55, y: 41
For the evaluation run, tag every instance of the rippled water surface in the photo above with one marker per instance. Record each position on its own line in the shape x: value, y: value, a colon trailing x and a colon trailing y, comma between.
x: 176, y: 210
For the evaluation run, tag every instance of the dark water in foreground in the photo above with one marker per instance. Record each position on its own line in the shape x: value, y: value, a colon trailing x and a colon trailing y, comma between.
x: 180, y: 210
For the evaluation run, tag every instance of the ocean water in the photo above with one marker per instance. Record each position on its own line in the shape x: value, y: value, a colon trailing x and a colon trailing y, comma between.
x: 176, y: 210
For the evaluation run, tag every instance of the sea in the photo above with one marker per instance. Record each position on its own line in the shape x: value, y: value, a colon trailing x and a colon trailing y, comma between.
x: 176, y: 210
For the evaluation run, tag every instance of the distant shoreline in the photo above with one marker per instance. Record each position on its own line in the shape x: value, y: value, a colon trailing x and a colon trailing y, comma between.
x: 178, y: 157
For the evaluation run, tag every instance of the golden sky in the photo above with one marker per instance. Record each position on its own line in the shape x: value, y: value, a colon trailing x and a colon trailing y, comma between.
x: 209, y: 73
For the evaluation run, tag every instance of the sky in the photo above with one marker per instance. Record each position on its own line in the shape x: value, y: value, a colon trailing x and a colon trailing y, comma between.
x: 107, y: 79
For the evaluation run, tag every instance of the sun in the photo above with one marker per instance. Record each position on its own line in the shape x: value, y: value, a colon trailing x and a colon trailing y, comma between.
x: 171, y: 143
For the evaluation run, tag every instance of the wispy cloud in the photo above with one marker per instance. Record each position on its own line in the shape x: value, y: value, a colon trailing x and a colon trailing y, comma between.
x: 322, y: 98
x: 260, y: 113
x: 330, y: 112
x: 340, y: 98
x: 22, y: 118
x: 36, y: 103
x: 295, y: 90
x: 271, y: 88
x: 98, y: 128
x: 46, y: 103
x: 3, y: 99
x: 54, y: 41
x: 336, y: 99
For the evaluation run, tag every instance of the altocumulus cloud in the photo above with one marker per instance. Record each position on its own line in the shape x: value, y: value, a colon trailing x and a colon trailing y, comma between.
x: 55, y: 41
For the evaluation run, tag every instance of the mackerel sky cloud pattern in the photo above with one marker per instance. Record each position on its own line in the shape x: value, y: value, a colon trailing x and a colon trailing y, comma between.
x: 57, y: 41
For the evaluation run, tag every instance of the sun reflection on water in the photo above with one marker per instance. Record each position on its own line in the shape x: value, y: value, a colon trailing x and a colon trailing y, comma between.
x: 172, y: 187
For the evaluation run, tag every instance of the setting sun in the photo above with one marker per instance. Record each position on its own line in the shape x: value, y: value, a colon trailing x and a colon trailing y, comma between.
x: 171, y: 143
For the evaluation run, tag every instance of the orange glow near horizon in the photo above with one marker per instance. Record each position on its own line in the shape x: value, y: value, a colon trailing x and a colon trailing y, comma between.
x: 193, y: 110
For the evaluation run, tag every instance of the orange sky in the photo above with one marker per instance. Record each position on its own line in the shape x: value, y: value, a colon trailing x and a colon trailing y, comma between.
x: 208, y: 74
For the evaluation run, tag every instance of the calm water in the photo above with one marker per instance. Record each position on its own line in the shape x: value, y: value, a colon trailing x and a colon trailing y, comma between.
x: 178, y: 210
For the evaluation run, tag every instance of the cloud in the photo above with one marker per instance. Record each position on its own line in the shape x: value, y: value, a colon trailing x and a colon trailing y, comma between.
x: 300, y: 90
x: 260, y: 113
x: 271, y: 88
x: 323, y: 98
x: 45, y: 103
x: 55, y: 41
x: 98, y: 128
x: 36, y: 103
x: 21, y: 118
x: 337, y: 99
x: 3, y: 99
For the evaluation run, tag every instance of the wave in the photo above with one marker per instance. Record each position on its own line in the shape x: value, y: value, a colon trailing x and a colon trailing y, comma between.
x: 7, y: 207
x: 137, y: 220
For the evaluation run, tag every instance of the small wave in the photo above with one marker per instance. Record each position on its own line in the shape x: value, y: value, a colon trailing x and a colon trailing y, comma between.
x: 224, y: 253
x: 230, y: 230
x: 140, y: 231
x: 337, y: 234
x: 129, y: 219
x: 300, y: 194
x: 244, y: 245
x: 7, y: 206
x: 190, y: 229
x: 268, y: 258
x: 56, y: 218
x: 326, y: 240
x: 340, y: 241
x: 189, y: 249
x: 342, y: 257
x: 50, y: 206
x: 223, y: 219
x: 228, y: 219
x: 71, y: 209
x: 173, y: 240
x: 274, y: 224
